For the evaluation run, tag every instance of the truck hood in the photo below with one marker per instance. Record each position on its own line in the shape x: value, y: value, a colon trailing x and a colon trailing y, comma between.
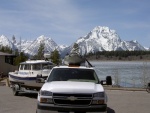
x: 72, y: 87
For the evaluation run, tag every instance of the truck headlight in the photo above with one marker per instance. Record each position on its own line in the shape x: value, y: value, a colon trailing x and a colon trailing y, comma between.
x: 99, y: 94
x: 96, y: 102
x: 46, y: 100
x: 45, y: 97
x: 46, y: 93
x: 98, y: 98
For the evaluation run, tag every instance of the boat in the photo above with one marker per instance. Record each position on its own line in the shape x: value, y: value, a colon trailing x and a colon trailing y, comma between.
x: 28, y: 73
x: 75, y: 59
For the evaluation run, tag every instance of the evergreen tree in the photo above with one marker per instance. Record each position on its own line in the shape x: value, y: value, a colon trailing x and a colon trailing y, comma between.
x: 40, y: 54
x: 16, y: 52
x: 55, y: 57
x: 13, y: 39
x: 2, y: 49
x: 20, y: 58
x: 6, y: 49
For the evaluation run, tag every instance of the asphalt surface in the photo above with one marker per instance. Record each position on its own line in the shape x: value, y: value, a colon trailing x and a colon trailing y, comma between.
x: 118, y: 101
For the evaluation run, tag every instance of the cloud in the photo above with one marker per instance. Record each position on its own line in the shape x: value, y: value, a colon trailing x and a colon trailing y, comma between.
x: 70, y: 19
x: 40, y: 15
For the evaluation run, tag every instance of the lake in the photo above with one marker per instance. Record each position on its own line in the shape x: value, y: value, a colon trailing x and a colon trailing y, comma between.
x: 124, y: 73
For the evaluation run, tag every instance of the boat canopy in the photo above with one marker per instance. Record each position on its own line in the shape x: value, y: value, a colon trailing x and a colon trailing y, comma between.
x: 37, y: 62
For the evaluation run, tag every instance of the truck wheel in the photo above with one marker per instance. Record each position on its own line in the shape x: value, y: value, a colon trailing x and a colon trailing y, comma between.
x: 15, y: 89
x: 106, y: 111
x: 148, y: 89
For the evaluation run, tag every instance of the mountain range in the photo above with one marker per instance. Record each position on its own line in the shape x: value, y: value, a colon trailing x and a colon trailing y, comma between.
x: 99, y: 39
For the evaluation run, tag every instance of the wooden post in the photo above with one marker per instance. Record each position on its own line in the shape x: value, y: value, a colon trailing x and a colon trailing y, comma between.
x: 7, y: 82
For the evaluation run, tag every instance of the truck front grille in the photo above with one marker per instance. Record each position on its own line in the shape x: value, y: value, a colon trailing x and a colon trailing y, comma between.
x: 72, y: 99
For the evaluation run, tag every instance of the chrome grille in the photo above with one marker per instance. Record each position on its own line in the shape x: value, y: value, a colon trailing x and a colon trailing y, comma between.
x: 72, y: 99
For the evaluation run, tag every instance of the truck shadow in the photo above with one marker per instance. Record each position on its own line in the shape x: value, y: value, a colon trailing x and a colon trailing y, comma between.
x: 30, y: 95
x: 109, y: 110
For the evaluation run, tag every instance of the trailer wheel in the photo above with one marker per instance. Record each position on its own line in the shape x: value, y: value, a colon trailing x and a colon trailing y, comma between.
x: 15, y: 89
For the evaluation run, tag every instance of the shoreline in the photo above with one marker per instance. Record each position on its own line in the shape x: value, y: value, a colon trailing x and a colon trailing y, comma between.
x: 119, y: 60
x: 124, y: 88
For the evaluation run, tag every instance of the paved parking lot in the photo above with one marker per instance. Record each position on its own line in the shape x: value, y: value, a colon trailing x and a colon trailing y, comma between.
x: 128, y: 101
x: 119, y: 102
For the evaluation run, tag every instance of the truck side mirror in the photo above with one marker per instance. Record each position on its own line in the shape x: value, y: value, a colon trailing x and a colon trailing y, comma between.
x: 108, y: 80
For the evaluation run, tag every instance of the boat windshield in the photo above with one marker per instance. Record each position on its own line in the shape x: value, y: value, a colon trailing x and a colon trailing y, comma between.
x: 21, y: 67
x: 48, y: 67
x: 36, y: 66
x: 41, y: 66
x: 72, y: 74
x: 25, y: 67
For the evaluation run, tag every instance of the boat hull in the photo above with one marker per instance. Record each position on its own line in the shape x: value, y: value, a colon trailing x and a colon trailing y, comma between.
x: 25, y: 81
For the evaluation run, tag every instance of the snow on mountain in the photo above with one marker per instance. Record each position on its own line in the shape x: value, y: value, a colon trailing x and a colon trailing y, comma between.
x: 23, y: 44
x: 99, y: 39
x: 62, y: 47
x: 66, y: 51
x: 4, y: 41
x: 49, y: 45
x: 133, y: 45
x: 147, y: 49
x: 105, y: 39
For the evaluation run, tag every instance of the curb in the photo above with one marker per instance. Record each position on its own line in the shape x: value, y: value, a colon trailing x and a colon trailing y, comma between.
x: 124, y: 89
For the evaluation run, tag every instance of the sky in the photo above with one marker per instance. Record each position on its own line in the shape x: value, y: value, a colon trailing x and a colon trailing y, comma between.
x: 67, y: 20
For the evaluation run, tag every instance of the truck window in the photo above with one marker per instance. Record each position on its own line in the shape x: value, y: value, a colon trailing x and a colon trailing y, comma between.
x: 72, y: 74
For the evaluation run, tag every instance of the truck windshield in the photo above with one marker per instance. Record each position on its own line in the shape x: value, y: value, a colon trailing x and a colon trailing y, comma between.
x: 73, y: 74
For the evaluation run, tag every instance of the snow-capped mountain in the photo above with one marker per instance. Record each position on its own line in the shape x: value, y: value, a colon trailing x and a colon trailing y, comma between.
x: 49, y: 45
x: 4, y: 41
x: 104, y: 39
x: 147, y: 49
x: 23, y: 44
x: 62, y: 47
x: 133, y: 45
x: 99, y: 39
x: 31, y: 47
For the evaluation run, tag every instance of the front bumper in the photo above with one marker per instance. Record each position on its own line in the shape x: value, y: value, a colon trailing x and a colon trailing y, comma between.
x: 45, y: 108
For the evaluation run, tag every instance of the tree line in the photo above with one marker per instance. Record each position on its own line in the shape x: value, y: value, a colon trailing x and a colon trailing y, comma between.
x: 21, y: 56
x: 119, y: 54
x: 5, y: 49
x: 55, y: 56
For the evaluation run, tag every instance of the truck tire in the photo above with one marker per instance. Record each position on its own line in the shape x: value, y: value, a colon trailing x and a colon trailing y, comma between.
x: 148, y: 89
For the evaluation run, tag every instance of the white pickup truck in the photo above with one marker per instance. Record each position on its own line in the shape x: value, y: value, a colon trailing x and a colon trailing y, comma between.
x: 72, y: 89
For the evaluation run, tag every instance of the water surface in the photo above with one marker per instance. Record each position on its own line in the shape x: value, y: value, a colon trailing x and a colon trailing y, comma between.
x: 124, y: 73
